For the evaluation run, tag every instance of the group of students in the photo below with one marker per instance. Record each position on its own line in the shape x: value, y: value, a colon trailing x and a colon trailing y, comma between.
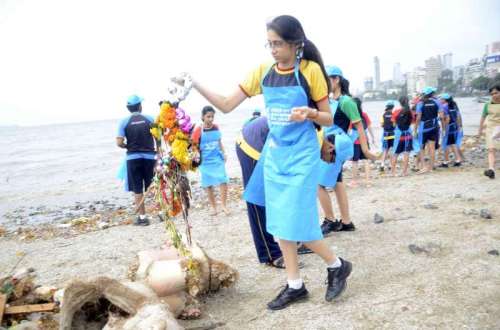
x: 294, y: 156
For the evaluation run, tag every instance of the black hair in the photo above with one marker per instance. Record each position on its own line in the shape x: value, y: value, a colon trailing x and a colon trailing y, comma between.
x: 389, y: 107
x: 207, y: 109
x: 344, y: 85
x: 428, y: 96
x: 134, y: 108
x: 358, y: 102
x: 494, y: 85
x: 405, y: 116
x: 290, y: 30
x: 452, y: 104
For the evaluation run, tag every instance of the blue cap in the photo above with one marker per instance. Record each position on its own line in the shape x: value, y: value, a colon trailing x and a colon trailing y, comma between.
x: 445, y: 96
x: 428, y: 90
x: 134, y: 100
x: 390, y: 103
x: 344, y: 148
x: 332, y: 70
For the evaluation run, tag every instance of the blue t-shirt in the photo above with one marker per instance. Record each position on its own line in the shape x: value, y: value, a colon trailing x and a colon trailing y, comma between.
x: 121, y: 133
x: 255, y: 133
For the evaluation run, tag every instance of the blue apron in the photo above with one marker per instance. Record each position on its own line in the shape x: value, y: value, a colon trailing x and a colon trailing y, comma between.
x: 344, y: 150
x: 212, y: 168
x: 122, y: 174
x: 385, y: 142
x: 424, y: 127
x: 288, y: 166
x: 397, y: 137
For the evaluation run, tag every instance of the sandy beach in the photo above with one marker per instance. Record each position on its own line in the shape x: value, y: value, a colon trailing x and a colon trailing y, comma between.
x: 430, y: 264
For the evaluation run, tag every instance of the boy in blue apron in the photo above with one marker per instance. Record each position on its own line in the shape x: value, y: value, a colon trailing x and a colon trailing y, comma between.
x: 387, y: 133
x: 429, y: 112
x: 452, y: 136
x: 213, y: 159
x: 295, y: 90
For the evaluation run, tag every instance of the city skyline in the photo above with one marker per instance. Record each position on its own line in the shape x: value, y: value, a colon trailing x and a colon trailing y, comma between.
x: 65, y: 61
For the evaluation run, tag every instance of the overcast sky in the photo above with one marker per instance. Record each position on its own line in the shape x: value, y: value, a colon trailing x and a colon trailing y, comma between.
x: 66, y: 61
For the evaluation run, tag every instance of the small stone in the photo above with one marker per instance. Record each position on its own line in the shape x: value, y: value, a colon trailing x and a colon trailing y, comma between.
x: 103, y: 225
x: 470, y: 212
x: 470, y: 199
x: 494, y: 253
x: 458, y: 196
x: 485, y: 214
x: 377, y: 218
x: 415, y: 249
x: 430, y: 206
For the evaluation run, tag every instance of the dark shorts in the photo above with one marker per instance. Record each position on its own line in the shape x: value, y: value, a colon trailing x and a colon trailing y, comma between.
x: 358, y: 154
x: 452, y: 139
x: 404, y: 146
x: 388, y: 144
x: 432, y: 135
x: 140, y: 174
x: 339, y: 177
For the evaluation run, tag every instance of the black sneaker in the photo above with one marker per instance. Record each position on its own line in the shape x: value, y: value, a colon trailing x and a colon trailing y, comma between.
x: 490, y: 173
x: 302, y: 249
x: 288, y: 296
x: 141, y: 222
x: 444, y: 165
x: 381, y: 169
x: 338, y: 225
x: 328, y: 226
x: 337, y: 280
x: 457, y: 164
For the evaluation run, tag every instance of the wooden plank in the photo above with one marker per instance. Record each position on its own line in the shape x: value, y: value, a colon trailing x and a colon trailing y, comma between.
x: 30, y: 308
x: 3, y: 301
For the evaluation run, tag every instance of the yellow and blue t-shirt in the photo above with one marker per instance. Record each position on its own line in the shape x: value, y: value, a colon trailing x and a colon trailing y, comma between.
x: 310, y: 76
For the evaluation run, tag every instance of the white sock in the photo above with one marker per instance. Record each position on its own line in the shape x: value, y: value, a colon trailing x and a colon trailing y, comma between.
x: 142, y: 216
x: 295, y: 284
x: 336, y: 264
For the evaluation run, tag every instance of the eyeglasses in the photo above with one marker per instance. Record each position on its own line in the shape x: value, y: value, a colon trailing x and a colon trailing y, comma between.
x: 274, y: 44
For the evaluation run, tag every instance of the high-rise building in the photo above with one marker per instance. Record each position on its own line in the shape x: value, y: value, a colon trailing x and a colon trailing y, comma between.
x: 368, y: 84
x: 377, y: 72
x: 492, y: 65
x: 415, y: 80
x: 433, y: 68
x: 447, y: 61
x: 397, y: 76
x: 474, y: 69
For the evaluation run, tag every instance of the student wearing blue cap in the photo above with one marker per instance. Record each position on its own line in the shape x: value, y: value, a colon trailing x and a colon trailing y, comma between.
x: 429, y: 113
x: 387, y: 132
x: 452, y: 136
x: 345, y: 114
x: 403, y: 138
x: 134, y: 135
x: 295, y: 89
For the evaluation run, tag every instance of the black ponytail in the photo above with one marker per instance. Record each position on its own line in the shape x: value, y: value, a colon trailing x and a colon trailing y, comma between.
x: 290, y: 30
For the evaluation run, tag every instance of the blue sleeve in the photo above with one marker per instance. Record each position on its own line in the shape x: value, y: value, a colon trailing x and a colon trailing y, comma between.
x: 151, y: 118
x: 121, y: 127
x: 441, y: 108
x: 419, y: 107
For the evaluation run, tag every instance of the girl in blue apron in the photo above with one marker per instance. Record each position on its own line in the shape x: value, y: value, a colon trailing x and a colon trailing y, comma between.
x: 452, y: 137
x: 213, y: 158
x: 358, y: 154
x: 345, y: 113
x: 429, y: 112
x: 387, y: 133
x: 403, y: 137
x: 295, y: 90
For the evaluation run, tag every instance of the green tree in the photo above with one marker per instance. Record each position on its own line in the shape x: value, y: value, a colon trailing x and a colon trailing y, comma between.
x: 481, y: 83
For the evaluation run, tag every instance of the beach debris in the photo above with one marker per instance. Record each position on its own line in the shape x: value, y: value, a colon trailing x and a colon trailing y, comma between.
x: 494, y: 253
x: 458, y: 196
x: 430, y: 206
x: 470, y: 199
x: 485, y: 214
x: 3, y: 231
x: 429, y: 249
x: 470, y: 212
x: 110, y: 304
x: 377, y: 218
